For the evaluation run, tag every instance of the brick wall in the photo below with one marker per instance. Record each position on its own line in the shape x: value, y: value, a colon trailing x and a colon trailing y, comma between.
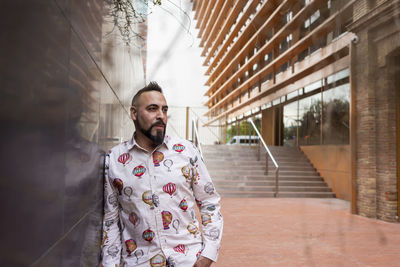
x: 376, y: 110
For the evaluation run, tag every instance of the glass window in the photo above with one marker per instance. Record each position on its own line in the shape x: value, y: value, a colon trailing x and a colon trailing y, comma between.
x: 338, y: 76
x: 335, y: 128
x: 276, y: 101
x: 310, y: 120
x: 312, y: 87
x: 290, y: 124
x: 292, y: 95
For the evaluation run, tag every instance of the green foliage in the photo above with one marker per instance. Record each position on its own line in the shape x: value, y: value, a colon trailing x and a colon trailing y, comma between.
x: 243, y: 129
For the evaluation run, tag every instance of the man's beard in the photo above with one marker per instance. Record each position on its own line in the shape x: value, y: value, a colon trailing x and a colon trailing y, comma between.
x: 159, y: 137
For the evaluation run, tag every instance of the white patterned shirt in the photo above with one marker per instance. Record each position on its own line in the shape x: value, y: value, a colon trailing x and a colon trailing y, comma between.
x: 149, y: 203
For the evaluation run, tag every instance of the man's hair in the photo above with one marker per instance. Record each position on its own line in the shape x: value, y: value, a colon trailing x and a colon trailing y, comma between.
x: 152, y: 86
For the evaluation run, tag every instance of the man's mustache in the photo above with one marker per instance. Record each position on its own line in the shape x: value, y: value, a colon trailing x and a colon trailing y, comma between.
x: 158, y: 123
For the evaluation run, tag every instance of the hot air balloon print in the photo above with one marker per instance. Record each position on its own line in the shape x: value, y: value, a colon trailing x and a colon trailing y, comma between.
x: 157, y: 158
x: 166, y: 218
x: 113, y: 199
x: 171, y: 262
x: 212, y: 234
x: 199, y: 203
x: 134, y: 219
x: 113, y: 251
x: 130, y: 246
x: 157, y: 261
x: 104, y: 239
x: 148, y: 235
x: 108, y: 223
x: 205, y: 219
x: 156, y: 200
x: 128, y: 191
x: 138, y: 254
x: 180, y: 248
x: 183, y: 205
x: 139, y: 171
x: 147, y: 198
x: 169, y: 188
x: 210, y: 207
x: 192, y: 228
x: 124, y: 158
x: 175, y: 224
x: 193, y: 161
x: 198, y: 254
x: 168, y: 163
x: 209, y: 188
x: 178, y: 148
x: 195, y: 175
x: 186, y: 171
x: 117, y: 183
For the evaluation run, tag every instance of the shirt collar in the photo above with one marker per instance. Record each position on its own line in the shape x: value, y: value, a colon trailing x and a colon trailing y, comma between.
x: 167, y: 141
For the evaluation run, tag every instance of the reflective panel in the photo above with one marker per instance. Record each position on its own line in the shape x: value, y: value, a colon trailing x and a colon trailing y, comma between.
x: 61, y: 108
x: 310, y: 120
x: 336, y: 118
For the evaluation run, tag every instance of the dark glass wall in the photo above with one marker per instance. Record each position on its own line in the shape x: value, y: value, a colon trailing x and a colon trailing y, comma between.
x: 319, y: 113
x: 55, y: 85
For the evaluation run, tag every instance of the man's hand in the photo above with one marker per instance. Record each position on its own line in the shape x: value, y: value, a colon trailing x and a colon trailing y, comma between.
x: 203, y: 262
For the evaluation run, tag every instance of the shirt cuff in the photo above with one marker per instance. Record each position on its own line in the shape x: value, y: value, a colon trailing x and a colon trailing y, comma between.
x: 210, y: 252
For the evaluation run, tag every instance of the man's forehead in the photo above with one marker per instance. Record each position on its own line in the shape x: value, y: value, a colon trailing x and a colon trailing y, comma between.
x: 152, y: 97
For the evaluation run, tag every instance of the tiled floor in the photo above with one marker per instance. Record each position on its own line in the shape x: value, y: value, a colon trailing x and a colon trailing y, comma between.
x: 304, y: 232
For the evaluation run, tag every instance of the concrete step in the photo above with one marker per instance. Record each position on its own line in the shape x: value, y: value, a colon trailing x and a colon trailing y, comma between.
x: 251, y: 167
x: 242, y: 194
x: 255, y: 159
x: 266, y: 178
x: 269, y: 183
x: 272, y: 188
x: 237, y: 172
x: 240, y: 172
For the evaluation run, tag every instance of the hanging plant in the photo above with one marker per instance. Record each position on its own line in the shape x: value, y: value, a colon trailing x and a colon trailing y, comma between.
x: 126, y: 14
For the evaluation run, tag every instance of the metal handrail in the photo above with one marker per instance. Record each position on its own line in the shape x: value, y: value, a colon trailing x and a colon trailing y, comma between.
x: 208, y: 126
x: 270, y: 155
x: 196, y: 138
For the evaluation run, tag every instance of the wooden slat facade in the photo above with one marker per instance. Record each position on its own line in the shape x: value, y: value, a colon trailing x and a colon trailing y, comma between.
x: 257, y: 49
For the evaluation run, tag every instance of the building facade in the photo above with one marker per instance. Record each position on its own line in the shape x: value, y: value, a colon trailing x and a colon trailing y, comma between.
x: 310, y: 73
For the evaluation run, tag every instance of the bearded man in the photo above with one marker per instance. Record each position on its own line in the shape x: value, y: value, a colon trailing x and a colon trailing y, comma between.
x: 153, y: 183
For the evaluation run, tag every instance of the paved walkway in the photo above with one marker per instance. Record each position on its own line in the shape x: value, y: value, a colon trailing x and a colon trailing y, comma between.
x: 304, y: 232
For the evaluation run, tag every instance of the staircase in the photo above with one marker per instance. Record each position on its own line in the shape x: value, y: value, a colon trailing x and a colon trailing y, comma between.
x: 236, y: 172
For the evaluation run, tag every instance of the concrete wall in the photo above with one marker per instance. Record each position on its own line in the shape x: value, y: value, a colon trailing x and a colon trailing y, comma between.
x: 333, y: 163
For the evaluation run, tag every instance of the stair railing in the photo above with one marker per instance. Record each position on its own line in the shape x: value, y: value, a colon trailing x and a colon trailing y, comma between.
x: 208, y: 127
x: 266, y: 158
x: 195, y: 137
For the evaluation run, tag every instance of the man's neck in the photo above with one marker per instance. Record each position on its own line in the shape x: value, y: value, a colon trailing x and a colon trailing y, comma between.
x: 144, y: 142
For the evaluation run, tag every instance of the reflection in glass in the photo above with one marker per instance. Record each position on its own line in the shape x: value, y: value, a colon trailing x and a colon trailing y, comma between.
x: 325, y: 114
x: 290, y: 121
x: 335, y: 128
x: 310, y: 120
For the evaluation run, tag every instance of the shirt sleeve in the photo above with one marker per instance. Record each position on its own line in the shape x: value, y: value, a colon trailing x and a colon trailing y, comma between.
x: 208, y: 201
x: 111, y: 244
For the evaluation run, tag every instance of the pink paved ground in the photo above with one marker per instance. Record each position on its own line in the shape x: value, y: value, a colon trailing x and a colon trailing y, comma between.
x: 304, y: 232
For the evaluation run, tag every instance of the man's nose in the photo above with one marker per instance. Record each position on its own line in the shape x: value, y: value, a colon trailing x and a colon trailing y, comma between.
x: 161, y: 115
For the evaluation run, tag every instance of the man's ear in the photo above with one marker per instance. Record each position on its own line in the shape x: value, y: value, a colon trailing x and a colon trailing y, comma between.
x: 133, y: 113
